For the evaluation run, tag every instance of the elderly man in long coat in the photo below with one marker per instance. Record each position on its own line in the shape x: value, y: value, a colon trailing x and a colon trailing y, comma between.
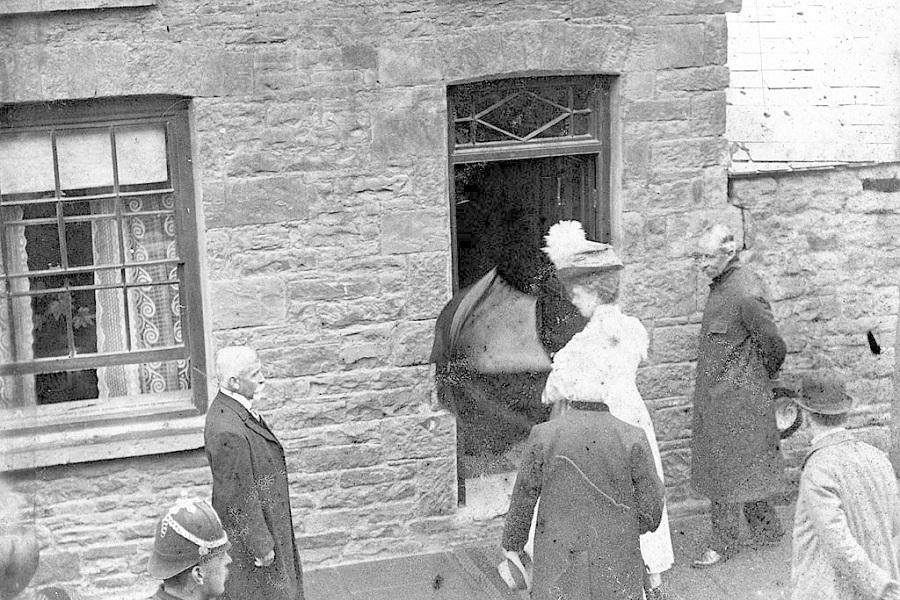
x: 735, y: 457
x: 848, y: 511
x: 250, y: 485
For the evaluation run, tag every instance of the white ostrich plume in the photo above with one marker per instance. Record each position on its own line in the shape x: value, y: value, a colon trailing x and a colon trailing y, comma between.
x: 564, y: 240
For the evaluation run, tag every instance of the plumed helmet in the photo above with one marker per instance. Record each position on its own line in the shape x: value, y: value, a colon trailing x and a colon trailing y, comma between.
x: 189, y: 532
x: 19, y: 551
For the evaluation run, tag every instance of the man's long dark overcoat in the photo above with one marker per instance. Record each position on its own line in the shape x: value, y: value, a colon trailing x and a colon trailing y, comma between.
x: 250, y: 494
x: 734, y: 446
x: 599, y: 491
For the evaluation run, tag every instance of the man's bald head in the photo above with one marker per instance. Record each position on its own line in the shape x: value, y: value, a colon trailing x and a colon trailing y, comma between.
x: 234, y: 361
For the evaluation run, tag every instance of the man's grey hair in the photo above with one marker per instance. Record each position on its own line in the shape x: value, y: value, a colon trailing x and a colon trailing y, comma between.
x: 720, y: 236
x: 231, y: 361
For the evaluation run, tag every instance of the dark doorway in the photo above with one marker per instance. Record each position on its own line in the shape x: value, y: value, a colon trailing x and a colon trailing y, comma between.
x: 541, y: 191
x: 503, y: 210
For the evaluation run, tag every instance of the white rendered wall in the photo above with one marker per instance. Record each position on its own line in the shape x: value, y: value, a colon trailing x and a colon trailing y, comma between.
x: 812, y: 82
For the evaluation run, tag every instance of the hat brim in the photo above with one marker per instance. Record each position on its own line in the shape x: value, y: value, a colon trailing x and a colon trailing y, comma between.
x: 845, y: 406
x: 161, y: 568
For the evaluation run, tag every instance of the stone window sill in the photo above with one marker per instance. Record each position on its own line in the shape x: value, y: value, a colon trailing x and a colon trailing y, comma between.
x: 90, y: 430
x: 15, y: 7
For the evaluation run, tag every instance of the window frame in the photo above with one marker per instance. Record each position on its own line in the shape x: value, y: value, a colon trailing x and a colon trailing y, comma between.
x: 87, y: 430
x: 598, y: 143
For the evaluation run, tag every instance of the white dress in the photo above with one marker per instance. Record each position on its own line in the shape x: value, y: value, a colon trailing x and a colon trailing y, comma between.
x: 600, y: 364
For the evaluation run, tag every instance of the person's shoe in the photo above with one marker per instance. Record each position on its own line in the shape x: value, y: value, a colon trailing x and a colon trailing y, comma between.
x: 709, y: 558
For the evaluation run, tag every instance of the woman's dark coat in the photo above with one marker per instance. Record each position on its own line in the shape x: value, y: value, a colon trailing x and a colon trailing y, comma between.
x: 599, y: 491
x: 734, y: 445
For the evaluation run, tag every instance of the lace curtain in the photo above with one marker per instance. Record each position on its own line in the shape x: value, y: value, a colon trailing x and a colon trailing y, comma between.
x: 15, y: 315
x: 154, y: 313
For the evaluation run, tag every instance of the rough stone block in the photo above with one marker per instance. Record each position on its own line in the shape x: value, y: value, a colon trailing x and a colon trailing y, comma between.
x: 261, y: 200
x: 345, y: 313
x: 658, y: 110
x: 414, y: 231
x: 696, y: 79
x: 715, y: 40
x: 676, y: 466
x: 335, y: 458
x: 437, y: 487
x: 409, y: 63
x: 667, y: 47
x: 665, y: 381
x: 665, y: 290
x: 376, y: 475
x: 688, y: 154
x: 247, y: 302
x: 639, y: 85
x: 411, y: 342
x: 58, y: 567
x: 428, y: 280
x: 337, y: 287
x: 323, y: 540
x: 419, y: 436
x: 297, y: 361
x: 359, y: 56
x: 674, y: 344
x: 708, y: 114
x: 367, y: 495
x: 595, y: 47
x: 672, y: 423
x: 344, y: 434
x: 369, y: 380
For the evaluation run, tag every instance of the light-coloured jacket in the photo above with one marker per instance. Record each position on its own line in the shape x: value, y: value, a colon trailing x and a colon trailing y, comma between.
x: 847, y: 522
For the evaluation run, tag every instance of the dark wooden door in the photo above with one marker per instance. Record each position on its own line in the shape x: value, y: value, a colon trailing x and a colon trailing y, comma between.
x: 515, y: 202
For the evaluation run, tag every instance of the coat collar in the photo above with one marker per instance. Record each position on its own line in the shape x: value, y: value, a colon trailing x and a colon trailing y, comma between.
x: 249, y: 420
x: 832, y: 439
x: 594, y: 406
x: 730, y: 268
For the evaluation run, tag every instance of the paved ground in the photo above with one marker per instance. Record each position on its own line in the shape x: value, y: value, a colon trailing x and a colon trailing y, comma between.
x: 469, y: 574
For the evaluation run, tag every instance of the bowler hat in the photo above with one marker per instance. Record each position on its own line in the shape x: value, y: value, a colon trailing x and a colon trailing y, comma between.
x: 824, y: 395
x: 189, y: 532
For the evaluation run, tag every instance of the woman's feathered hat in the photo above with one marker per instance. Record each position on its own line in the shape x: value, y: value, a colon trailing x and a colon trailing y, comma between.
x: 573, y: 254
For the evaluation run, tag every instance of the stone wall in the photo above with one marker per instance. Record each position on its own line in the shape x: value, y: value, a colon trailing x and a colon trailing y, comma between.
x: 322, y: 178
x: 827, y: 244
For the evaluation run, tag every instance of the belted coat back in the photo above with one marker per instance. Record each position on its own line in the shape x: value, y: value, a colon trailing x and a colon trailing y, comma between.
x: 598, y: 492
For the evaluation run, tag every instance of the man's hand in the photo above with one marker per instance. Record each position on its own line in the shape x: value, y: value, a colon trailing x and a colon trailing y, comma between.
x: 267, y: 560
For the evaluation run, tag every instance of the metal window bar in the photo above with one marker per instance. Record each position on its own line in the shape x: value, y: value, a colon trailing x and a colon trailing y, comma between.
x: 171, y: 160
x: 475, y: 119
x: 127, y: 194
x: 117, y: 204
x: 94, y: 360
x: 93, y: 268
x: 88, y: 218
x: 94, y: 286
x: 63, y: 248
